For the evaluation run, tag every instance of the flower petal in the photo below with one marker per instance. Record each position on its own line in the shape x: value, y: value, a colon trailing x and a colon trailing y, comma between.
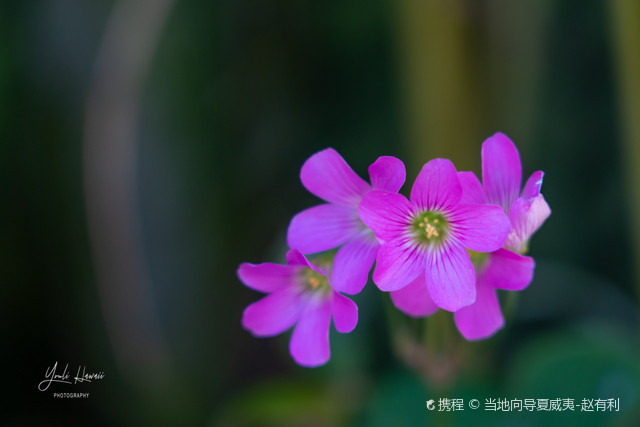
x: 387, y: 173
x: 482, y: 228
x: 327, y: 175
x: 323, y: 227
x: 414, y: 299
x: 398, y: 263
x: 387, y: 214
x: 472, y: 192
x: 483, y: 318
x: 501, y: 170
x: 344, y: 312
x: 450, y: 277
x: 437, y: 186
x: 309, y: 343
x: 352, y: 264
x: 533, y: 185
x: 527, y: 215
x: 274, y: 313
x: 508, y: 270
x: 266, y: 277
x: 296, y: 258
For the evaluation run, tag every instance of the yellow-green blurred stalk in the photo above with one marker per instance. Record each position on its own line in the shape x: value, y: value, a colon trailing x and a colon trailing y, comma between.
x: 625, y: 22
x: 441, y: 103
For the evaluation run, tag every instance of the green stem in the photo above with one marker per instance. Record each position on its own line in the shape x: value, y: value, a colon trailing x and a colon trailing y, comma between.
x: 439, y: 72
x: 625, y: 22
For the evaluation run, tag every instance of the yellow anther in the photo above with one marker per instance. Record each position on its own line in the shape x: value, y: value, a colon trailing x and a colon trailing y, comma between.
x: 431, y: 231
x: 430, y: 227
x: 314, y: 282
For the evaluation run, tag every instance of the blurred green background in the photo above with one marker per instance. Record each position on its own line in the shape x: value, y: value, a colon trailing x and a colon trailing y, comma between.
x: 147, y: 147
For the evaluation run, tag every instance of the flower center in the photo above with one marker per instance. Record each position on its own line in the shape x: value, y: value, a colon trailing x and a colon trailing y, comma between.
x: 313, y: 281
x: 430, y: 227
x: 478, y: 259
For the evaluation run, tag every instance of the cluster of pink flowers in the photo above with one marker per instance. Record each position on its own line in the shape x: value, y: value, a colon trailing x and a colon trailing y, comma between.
x: 450, y: 245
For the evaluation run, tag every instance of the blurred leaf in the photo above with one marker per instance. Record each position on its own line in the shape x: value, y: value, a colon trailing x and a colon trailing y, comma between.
x: 398, y: 399
x: 592, y: 361
x: 281, y: 404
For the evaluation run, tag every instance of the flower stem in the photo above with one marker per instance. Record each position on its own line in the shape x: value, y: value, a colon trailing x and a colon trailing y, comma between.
x: 625, y: 22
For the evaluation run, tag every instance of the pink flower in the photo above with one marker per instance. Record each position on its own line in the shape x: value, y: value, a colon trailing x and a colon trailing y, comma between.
x: 299, y: 294
x: 424, y: 239
x: 336, y: 223
x: 505, y: 268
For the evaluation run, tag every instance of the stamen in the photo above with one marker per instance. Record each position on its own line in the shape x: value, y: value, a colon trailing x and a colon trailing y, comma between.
x: 314, y: 282
x: 478, y: 259
x: 429, y: 227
